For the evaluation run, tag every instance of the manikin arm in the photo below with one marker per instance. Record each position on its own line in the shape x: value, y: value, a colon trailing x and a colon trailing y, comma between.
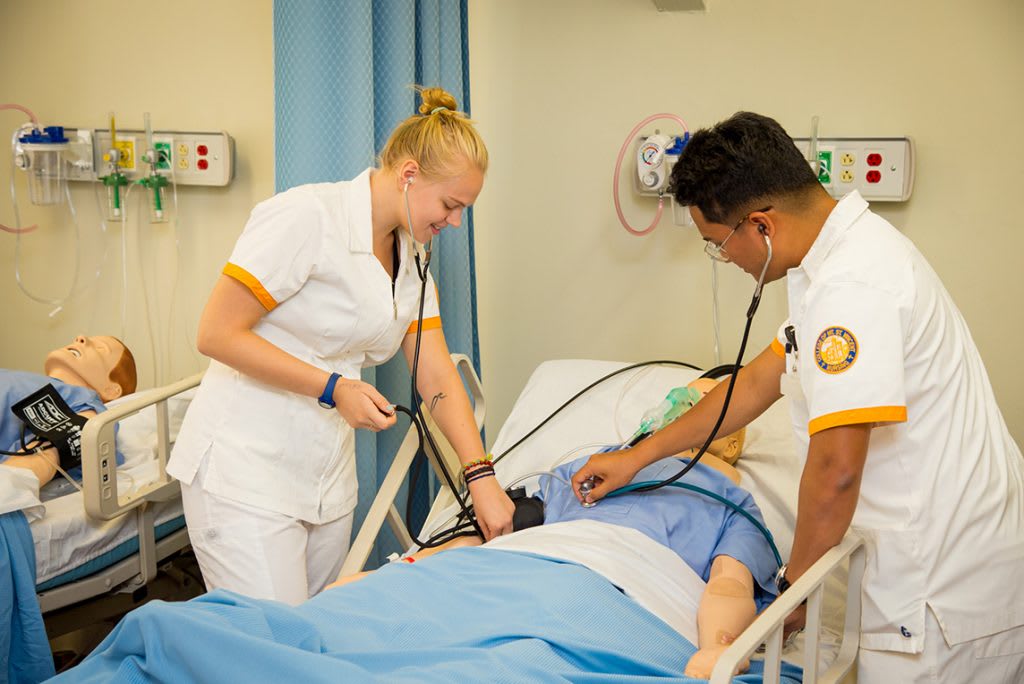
x: 472, y: 540
x: 42, y: 463
x: 726, y: 609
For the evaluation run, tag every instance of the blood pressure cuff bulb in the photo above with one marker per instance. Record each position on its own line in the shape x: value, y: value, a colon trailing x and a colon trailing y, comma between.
x: 47, y: 415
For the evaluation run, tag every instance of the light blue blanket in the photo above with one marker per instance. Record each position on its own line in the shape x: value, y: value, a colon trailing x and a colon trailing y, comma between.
x: 24, y: 648
x: 465, y: 615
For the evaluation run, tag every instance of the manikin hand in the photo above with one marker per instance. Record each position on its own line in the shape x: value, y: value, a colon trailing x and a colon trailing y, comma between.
x: 492, y: 506
x: 362, y: 406
x: 704, y: 660
x: 610, y: 471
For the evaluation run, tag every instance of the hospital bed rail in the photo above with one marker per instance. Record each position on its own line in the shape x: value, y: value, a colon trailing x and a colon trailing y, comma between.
x: 768, y: 627
x: 383, y: 508
x: 103, y: 501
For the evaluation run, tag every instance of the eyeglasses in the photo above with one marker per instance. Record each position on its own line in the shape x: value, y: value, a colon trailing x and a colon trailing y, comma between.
x: 717, y: 252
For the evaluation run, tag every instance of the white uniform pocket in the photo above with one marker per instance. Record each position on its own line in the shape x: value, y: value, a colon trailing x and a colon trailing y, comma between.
x: 893, y: 610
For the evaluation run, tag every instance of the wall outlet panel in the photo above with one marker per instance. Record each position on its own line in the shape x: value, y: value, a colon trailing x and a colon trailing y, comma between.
x: 881, y: 169
x: 188, y: 158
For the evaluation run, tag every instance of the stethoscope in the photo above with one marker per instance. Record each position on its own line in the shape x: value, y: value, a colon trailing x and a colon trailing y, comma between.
x: 651, y: 485
x: 416, y: 414
x: 421, y: 269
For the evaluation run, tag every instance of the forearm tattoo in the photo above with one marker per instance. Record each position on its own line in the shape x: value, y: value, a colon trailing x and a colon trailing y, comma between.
x: 437, y: 397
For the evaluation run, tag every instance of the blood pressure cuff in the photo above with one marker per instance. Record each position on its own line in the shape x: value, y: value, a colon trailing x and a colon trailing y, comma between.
x: 46, y: 414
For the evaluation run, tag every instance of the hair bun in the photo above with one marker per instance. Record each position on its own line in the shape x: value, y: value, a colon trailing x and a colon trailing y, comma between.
x: 436, y: 97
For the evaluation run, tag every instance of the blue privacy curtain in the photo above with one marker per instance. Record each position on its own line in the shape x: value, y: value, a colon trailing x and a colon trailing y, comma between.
x: 342, y: 71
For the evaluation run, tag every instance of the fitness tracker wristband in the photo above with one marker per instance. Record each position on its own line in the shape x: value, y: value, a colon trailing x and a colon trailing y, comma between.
x: 326, y: 399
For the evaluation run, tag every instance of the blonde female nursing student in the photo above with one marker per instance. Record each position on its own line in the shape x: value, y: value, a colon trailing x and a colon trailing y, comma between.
x: 323, y: 282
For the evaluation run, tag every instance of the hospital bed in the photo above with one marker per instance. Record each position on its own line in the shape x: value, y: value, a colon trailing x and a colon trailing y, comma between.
x: 607, y: 414
x: 109, y: 539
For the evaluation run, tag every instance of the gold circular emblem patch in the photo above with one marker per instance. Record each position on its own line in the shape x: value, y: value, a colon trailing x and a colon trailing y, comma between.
x: 835, y: 350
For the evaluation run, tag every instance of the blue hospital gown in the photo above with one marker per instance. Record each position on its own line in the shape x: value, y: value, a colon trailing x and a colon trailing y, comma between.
x: 695, y: 526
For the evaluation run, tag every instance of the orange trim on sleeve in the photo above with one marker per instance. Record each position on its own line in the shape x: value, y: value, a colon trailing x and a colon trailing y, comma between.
x: 778, y: 348
x: 251, y: 282
x: 428, y: 324
x: 875, y: 414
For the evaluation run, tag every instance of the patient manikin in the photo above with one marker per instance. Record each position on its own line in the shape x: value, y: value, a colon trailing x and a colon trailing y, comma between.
x: 728, y: 604
x: 86, y: 373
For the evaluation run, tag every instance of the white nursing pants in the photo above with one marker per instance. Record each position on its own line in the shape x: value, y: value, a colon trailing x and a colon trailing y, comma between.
x: 260, y: 553
x: 995, y: 659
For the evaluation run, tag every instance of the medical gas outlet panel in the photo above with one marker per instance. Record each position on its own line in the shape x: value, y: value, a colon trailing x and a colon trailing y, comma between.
x: 655, y: 156
x: 186, y: 158
x: 880, y: 169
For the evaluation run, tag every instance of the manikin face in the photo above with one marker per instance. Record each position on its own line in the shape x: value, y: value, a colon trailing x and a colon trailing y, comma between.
x: 87, y: 361
x: 726, y: 448
x: 438, y: 203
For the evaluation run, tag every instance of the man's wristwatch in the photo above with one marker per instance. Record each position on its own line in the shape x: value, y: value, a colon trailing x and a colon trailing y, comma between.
x: 780, y: 579
x: 326, y: 399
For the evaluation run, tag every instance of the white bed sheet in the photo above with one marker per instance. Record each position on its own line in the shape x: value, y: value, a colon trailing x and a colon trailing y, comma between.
x: 649, y: 573
x: 64, y: 536
x: 608, y: 414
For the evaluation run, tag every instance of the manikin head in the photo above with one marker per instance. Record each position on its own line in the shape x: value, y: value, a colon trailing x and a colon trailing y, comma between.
x: 727, y: 448
x: 723, y: 452
x: 101, y: 363
x: 744, y: 180
x: 436, y: 160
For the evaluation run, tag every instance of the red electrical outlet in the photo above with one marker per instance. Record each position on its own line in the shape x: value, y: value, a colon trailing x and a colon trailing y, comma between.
x: 874, y: 159
x: 874, y: 176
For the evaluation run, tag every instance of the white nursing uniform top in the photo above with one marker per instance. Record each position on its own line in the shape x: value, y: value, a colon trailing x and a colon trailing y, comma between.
x: 879, y: 340
x: 307, y: 255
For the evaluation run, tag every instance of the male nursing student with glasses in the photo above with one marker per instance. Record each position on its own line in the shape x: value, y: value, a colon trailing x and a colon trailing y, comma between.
x: 891, y: 404
x: 322, y: 283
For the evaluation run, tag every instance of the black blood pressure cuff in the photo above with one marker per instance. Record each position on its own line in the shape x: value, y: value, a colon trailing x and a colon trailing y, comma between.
x: 529, y: 509
x: 46, y: 414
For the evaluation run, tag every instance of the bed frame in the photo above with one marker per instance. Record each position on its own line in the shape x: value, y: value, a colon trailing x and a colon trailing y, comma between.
x: 103, y: 501
x: 768, y: 627
x: 383, y: 507
x: 766, y: 630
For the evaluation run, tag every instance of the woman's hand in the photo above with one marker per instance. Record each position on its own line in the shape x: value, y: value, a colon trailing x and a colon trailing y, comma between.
x: 362, y: 406
x: 492, y: 506
x: 609, y: 471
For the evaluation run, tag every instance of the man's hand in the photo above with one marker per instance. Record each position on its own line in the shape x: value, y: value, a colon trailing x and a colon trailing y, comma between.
x: 362, y: 406
x: 492, y: 506
x: 795, y: 621
x: 609, y: 472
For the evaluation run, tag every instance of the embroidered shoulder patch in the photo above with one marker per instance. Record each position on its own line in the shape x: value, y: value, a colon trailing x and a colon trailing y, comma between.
x: 835, y: 350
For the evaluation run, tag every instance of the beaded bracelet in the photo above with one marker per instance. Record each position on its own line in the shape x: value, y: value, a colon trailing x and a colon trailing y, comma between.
x: 486, y: 460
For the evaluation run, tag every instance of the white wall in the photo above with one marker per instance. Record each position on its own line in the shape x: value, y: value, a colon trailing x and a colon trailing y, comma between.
x: 194, y: 66
x: 556, y: 86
